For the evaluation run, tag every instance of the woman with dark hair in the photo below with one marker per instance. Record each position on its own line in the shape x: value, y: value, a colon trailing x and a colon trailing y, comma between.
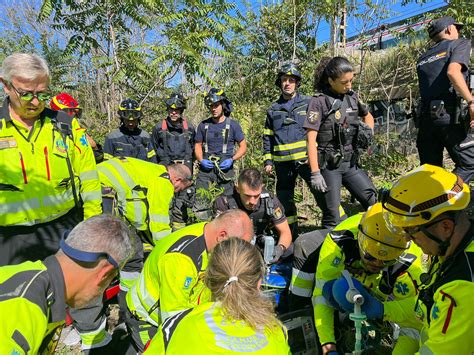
x: 240, y: 319
x: 334, y: 135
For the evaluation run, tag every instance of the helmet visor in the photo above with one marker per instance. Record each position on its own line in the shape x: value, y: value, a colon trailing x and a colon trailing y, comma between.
x: 130, y: 114
x: 388, y: 250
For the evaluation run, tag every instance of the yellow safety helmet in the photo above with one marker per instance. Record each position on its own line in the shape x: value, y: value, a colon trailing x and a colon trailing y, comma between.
x: 423, y: 194
x: 376, y: 239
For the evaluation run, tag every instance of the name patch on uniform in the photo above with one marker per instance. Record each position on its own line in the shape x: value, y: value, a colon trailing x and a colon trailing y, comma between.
x: 187, y: 282
x: 313, y: 116
x: 6, y: 143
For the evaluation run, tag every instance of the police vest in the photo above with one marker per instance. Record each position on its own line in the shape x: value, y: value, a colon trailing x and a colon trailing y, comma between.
x: 350, y: 247
x: 262, y: 217
x: 339, y: 124
x: 173, y: 142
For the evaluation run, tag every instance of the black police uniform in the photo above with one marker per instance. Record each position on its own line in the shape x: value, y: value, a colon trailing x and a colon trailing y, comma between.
x: 284, y: 145
x: 335, y: 117
x: 267, y: 213
x: 441, y: 122
x: 218, y: 141
x: 123, y: 143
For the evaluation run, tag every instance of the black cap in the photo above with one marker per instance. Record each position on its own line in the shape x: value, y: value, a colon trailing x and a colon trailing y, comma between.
x: 440, y: 24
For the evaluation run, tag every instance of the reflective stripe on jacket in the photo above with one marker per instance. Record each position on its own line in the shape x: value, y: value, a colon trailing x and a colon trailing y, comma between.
x: 32, y: 307
x: 172, y: 276
x: 35, y: 183
x: 205, y: 331
x: 284, y: 138
x: 144, y: 193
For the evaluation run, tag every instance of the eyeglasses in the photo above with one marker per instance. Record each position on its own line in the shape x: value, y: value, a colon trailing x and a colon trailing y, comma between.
x: 29, y: 95
x: 85, y: 256
x: 411, y: 231
x: 373, y: 259
x: 127, y: 114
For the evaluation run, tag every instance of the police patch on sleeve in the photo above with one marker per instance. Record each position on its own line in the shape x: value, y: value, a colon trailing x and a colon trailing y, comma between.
x: 313, y: 117
x: 277, y: 213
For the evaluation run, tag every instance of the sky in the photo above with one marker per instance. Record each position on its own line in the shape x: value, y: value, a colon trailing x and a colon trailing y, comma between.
x: 398, y: 12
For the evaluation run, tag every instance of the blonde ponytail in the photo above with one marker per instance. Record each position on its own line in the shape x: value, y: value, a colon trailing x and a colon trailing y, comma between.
x: 234, y: 271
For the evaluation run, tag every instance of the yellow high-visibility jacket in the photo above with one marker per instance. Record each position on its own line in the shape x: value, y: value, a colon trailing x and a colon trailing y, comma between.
x: 32, y: 307
x: 172, y: 277
x: 35, y: 182
x: 203, y: 330
x: 144, y: 193
x: 444, y: 305
x: 339, y: 251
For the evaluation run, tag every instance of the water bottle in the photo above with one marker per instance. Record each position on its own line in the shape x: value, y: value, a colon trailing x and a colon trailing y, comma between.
x: 268, y: 249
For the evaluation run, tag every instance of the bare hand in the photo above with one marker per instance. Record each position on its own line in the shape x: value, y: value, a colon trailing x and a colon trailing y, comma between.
x: 269, y: 169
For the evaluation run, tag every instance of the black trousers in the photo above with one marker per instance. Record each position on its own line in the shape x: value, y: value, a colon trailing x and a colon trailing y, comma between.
x: 23, y: 243
x: 432, y: 140
x: 353, y: 179
x: 286, y: 174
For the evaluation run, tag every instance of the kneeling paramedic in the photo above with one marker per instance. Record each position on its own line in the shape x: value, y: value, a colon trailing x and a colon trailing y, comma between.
x: 435, y: 217
x: 378, y: 259
x: 172, y: 278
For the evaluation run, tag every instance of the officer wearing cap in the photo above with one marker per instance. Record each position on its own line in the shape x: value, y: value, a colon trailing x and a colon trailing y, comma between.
x: 173, y: 139
x: 446, y: 110
x: 129, y: 140
x: 215, y: 140
x: 34, y: 295
x: 284, y: 140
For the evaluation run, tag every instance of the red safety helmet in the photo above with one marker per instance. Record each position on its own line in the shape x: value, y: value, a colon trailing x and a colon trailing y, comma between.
x: 65, y: 102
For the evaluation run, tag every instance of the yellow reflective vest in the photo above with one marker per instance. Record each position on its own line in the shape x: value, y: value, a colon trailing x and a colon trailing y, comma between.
x: 32, y: 307
x: 339, y: 251
x: 35, y: 182
x: 144, y: 193
x: 172, y: 277
x: 444, y: 305
x: 203, y: 330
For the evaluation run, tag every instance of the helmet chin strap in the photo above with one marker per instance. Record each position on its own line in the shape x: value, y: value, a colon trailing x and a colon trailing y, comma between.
x: 443, y: 245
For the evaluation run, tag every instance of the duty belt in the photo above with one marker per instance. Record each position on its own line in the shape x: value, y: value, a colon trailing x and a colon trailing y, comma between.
x: 178, y: 161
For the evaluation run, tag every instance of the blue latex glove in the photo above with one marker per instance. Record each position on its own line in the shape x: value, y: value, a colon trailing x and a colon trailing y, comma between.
x: 372, y: 307
x: 207, y: 164
x: 327, y: 294
x: 226, y: 164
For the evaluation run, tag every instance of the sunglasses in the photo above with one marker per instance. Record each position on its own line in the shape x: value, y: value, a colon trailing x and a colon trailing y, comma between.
x: 85, y: 256
x: 76, y: 112
x: 28, y: 95
x: 373, y: 259
x: 415, y: 229
x: 130, y: 114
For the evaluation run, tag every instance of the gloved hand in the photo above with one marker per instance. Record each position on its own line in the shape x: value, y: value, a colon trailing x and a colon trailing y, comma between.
x: 207, y: 164
x: 226, y: 164
x: 372, y: 307
x: 317, y: 181
x: 327, y: 294
x: 277, y: 253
